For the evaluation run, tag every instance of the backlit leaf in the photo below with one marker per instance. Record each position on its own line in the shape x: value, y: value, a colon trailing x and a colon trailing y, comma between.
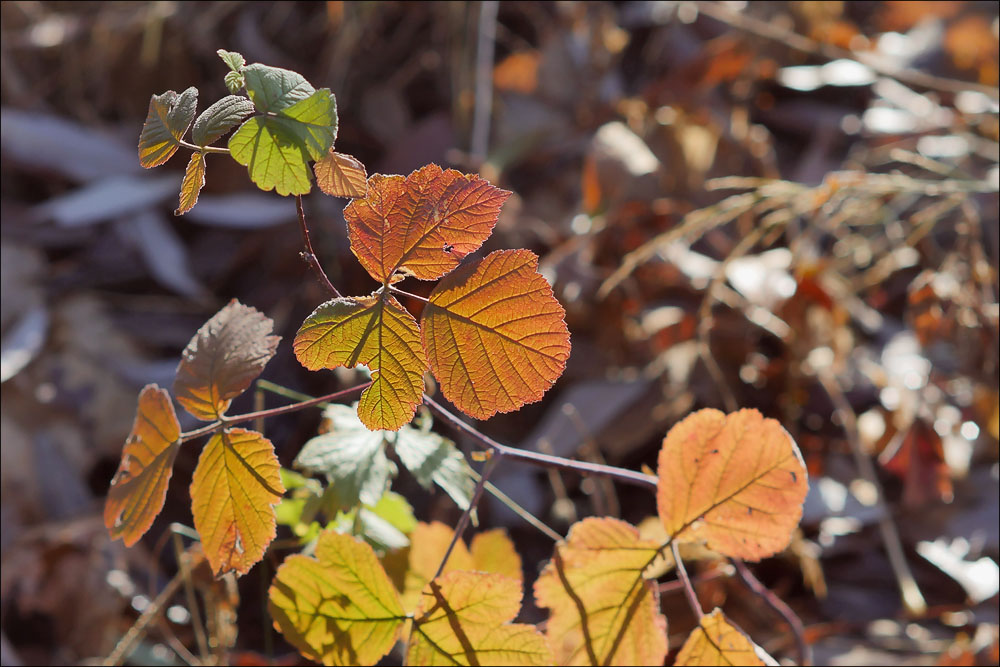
x: 494, y: 334
x: 234, y: 81
x: 139, y: 487
x: 277, y: 148
x: 716, y: 641
x: 233, y: 492
x: 352, y: 458
x: 603, y: 612
x: 235, y: 61
x: 194, y: 181
x: 378, y: 332
x: 428, y: 544
x: 338, y: 608
x: 737, y: 482
x: 341, y: 175
x: 464, y: 619
x: 223, y: 358
x: 435, y: 459
x: 423, y: 224
x: 492, y: 551
x: 219, y: 118
x: 273, y: 89
x: 168, y: 119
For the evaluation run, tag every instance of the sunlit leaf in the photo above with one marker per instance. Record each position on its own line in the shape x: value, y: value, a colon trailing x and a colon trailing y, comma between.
x: 352, y: 458
x: 378, y: 332
x: 273, y: 89
x: 395, y: 509
x: 423, y: 224
x: 435, y: 459
x: 492, y: 551
x: 194, y: 181
x: 603, y: 612
x: 168, y: 119
x: 276, y: 148
x: 223, y: 358
x: 428, y: 544
x: 716, y: 641
x: 219, y: 118
x: 233, y: 492
x: 235, y: 61
x: 737, y: 482
x: 494, y: 334
x: 338, y: 608
x: 464, y: 619
x: 139, y: 487
x: 234, y: 81
x: 341, y: 175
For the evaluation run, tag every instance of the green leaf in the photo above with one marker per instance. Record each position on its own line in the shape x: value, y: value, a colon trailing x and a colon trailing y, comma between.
x: 273, y: 89
x: 168, y: 119
x: 433, y: 458
x: 277, y: 148
x: 352, y: 458
x: 219, y: 118
x: 235, y: 61
x: 234, y: 81
x: 395, y: 509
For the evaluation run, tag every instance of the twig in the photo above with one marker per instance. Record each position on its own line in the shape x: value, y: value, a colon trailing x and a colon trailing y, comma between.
x: 484, y: 80
x: 778, y: 605
x: 682, y: 574
x: 308, y: 254
x: 463, y: 522
x: 204, y: 149
x: 396, y: 290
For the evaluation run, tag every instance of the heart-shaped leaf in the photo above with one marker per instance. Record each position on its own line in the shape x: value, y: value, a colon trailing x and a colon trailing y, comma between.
x: 168, y: 119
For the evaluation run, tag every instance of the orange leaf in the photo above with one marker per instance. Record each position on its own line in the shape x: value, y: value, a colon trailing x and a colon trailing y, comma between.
x: 168, y: 119
x: 338, y: 608
x: 492, y: 551
x: 235, y: 486
x: 341, y: 175
x: 716, y: 641
x: 194, y: 181
x: 494, y: 334
x: 464, y: 619
x: 603, y: 612
x: 737, y: 482
x: 139, y: 487
x: 223, y: 358
x: 378, y: 332
x: 423, y: 224
x: 428, y: 544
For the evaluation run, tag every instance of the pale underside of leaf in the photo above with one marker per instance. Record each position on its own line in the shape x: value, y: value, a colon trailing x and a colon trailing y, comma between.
x: 716, y: 641
x: 434, y: 459
x: 194, y: 181
x: 168, y: 119
x: 495, y: 334
x: 341, y: 175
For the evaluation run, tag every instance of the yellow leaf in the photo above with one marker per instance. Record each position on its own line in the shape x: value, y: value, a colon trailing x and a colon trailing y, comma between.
x: 194, y: 181
x: 716, y: 641
x: 341, y: 175
x: 492, y: 551
x: 428, y: 543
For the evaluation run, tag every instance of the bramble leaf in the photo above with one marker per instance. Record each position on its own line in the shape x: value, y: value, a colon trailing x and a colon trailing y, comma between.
x: 494, y: 334
x: 219, y: 118
x: 716, y: 641
x: 338, y: 608
x: 139, y: 488
x: 276, y: 148
x: 235, y: 61
x: 378, y: 332
x: 603, y: 611
x: 464, y: 619
x: 492, y: 551
x: 736, y: 482
x: 194, y: 181
x: 435, y: 459
x: 168, y: 119
x: 341, y: 175
x: 233, y: 492
x: 223, y: 358
x: 273, y: 89
x: 423, y: 224
x: 352, y: 458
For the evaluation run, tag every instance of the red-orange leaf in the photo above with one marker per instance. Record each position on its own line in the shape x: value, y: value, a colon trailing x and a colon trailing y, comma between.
x: 603, y: 612
x: 140, y: 485
x: 194, y: 181
x: 223, y: 358
x: 423, y: 224
x: 341, y: 175
x: 716, y: 641
x: 235, y: 487
x: 378, y: 332
x: 494, y: 334
x: 737, y: 482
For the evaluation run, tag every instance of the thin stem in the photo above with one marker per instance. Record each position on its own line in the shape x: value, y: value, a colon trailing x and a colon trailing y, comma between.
x: 272, y: 412
x: 545, y: 460
x: 676, y: 585
x: 530, y: 518
x: 396, y: 290
x: 308, y: 254
x: 464, y: 521
x: 682, y: 574
x: 204, y: 149
x: 779, y: 606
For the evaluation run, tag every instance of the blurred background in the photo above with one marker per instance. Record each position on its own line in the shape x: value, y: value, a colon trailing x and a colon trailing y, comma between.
x: 790, y: 206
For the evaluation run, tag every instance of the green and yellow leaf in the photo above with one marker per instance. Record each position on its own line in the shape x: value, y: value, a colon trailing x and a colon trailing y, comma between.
x: 716, y: 641
x: 168, y: 119
x: 341, y: 175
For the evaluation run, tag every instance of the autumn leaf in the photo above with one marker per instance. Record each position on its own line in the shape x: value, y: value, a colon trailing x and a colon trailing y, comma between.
x: 223, y: 358
x: 464, y: 619
x: 194, y: 181
x: 736, y: 482
x: 716, y: 641
x: 341, y: 175
x: 492, y: 551
x: 494, y: 334
x: 235, y: 486
x: 139, y: 488
x: 428, y: 544
x: 378, y: 332
x: 338, y: 608
x: 168, y: 119
x: 603, y: 612
x: 219, y: 118
x: 423, y: 224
